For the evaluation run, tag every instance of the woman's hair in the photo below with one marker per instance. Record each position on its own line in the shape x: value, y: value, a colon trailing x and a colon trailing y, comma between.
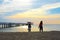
x: 41, y: 22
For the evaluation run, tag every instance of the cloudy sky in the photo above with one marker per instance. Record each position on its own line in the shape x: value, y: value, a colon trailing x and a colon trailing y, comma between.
x: 30, y: 10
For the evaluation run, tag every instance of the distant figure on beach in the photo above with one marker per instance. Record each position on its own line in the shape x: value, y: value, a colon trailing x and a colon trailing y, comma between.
x: 41, y: 26
x: 29, y: 26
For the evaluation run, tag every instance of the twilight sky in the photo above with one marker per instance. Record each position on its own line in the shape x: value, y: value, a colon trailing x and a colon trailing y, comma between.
x: 30, y: 10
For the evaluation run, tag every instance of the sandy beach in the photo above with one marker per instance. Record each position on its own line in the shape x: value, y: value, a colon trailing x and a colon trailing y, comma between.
x: 53, y: 35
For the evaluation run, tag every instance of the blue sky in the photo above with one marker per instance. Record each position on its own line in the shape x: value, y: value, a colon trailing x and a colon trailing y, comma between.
x: 54, y: 11
x: 1, y: 1
x: 10, y: 8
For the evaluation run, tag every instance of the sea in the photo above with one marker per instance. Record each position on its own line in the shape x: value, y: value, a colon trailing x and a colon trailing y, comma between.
x: 46, y: 27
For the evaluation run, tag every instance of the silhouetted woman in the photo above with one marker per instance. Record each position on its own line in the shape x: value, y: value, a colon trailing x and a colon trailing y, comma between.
x: 41, y: 26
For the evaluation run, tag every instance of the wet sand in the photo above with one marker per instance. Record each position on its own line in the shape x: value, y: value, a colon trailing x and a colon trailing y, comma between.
x: 53, y: 35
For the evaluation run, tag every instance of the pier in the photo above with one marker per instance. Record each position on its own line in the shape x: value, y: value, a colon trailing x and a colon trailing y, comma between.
x: 8, y: 25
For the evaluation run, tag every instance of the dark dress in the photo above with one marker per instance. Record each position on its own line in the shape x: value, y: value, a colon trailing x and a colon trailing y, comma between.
x: 41, y: 26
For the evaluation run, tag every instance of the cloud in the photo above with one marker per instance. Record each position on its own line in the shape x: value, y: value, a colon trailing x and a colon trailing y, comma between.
x: 6, y: 6
x: 27, y: 14
x: 34, y: 15
x: 39, y: 12
x: 51, y: 6
x: 12, y: 5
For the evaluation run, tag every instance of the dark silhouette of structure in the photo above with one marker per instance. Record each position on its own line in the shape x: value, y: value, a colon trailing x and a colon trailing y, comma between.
x: 8, y: 25
x: 29, y: 26
x: 41, y: 26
